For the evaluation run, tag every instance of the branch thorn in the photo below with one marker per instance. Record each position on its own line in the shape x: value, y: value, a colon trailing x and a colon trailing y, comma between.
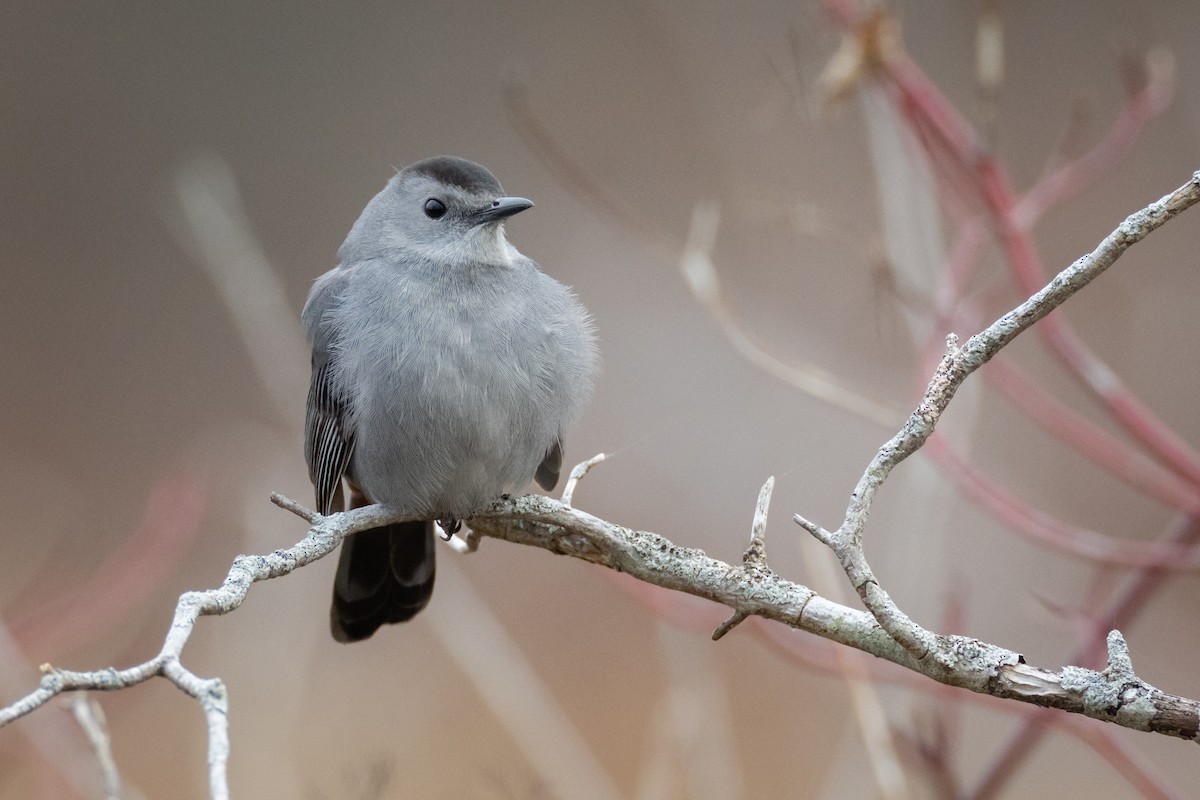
x: 756, y: 553
x: 577, y: 474
x: 288, y: 504
x: 725, y: 627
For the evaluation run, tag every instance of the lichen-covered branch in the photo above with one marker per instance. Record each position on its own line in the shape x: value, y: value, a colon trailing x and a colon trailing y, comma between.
x: 323, y: 538
x: 1115, y: 694
x: 955, y: 367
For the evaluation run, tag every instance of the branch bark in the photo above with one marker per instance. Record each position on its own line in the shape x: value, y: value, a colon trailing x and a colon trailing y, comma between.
x: 1115, y: 694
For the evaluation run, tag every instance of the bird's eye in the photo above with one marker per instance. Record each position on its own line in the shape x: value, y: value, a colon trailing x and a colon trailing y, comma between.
x: 434, y: 208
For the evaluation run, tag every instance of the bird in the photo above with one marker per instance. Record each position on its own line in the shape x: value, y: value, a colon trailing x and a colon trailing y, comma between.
x: 446, y: 369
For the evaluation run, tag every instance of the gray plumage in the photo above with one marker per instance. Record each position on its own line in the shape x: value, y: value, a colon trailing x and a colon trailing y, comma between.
x: 446, y: 368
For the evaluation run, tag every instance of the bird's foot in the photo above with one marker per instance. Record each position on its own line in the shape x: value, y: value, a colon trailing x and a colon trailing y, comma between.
x: 449, y: 527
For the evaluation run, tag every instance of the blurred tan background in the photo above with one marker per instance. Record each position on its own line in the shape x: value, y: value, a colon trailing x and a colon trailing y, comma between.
x: 126, y: 379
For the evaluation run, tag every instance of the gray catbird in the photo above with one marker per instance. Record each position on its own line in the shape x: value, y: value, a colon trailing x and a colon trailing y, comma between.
x: 445, y: 368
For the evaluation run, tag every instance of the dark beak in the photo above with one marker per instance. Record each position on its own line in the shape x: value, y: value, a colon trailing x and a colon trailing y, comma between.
x: 500, y: 208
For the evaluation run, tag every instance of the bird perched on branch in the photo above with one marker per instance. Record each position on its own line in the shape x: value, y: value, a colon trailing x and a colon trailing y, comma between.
x: 446, y: 368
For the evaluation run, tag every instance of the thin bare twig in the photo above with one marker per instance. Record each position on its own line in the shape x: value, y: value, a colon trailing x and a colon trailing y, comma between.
x: 956, y: 365
x: 90, y: 717
x: 324, y: 537
x: 695, y: 262
x: 755, y: 557
x: 856, y: 671
x: 956, y: 146
x: 577, y: 473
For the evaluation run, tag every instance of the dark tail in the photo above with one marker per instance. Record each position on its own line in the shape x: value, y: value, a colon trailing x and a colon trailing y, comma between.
x: 384, y: 575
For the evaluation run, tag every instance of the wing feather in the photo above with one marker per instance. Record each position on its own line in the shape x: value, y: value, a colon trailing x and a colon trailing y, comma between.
x: 328, y: 437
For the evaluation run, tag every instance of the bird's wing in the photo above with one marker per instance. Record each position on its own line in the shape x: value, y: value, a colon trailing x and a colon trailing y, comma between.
x: 328, y: 438
x: 328, y: 430
x: 547, y: 471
